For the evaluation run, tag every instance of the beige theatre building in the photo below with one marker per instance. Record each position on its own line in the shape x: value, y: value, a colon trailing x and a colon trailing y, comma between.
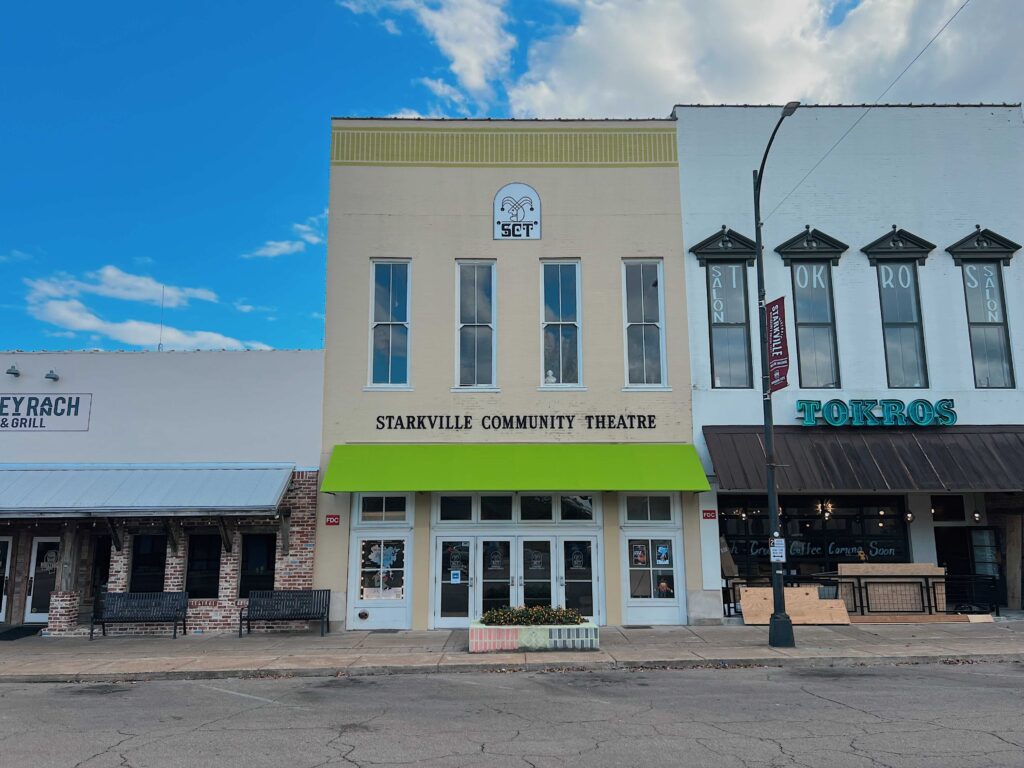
x: 507, y: 384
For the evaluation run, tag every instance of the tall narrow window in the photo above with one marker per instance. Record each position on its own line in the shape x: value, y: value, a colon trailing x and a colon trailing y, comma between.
x: 986, y: 319
x: 730, y: 325
x: 901, y: 325
x: 645, y: 355
x: 476, y: 324
x: 815, y: 324
x: 389, y: 329
x: 149, y: 559
x: 259, y: 560
x: 561, y: 324
x: 202, y: 575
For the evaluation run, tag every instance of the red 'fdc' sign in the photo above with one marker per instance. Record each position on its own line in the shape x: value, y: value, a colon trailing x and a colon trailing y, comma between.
x: 778, y: 349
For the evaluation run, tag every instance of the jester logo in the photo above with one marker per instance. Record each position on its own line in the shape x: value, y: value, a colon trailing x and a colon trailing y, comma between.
x: 517, y: 213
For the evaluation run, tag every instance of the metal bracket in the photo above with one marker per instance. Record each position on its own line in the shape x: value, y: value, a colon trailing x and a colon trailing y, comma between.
x: 115, y: 536
x: 286, y: 516
x: 225, y: 535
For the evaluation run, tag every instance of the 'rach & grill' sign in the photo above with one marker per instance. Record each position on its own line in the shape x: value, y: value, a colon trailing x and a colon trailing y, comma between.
x: 39, y: 412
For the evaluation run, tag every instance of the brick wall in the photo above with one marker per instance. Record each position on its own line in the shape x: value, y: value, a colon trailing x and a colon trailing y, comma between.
x: 291, y: 571
x: 63, y: 616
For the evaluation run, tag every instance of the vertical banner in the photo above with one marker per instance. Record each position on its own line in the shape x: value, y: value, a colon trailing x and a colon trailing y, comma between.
x: 778, y: 349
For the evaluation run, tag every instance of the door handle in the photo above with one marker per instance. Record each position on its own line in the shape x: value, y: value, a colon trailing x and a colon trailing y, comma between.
x: 520, y: 580
x: 561, y: 581
x: 31, y: 582
x: 470, y: 581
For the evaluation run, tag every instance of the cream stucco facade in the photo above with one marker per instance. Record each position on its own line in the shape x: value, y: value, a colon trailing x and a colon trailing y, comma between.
x: 421, y: 193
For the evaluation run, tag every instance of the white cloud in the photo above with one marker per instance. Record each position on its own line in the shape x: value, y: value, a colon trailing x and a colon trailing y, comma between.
x: 14, y: 255
x: 636, y: 58
x: 245, y: 308
x: 448, y: 94
x: 390, y: 27
x: 471, y: 34
x: 111, y: 282
x: 74, y: 316
x: 308, y: 232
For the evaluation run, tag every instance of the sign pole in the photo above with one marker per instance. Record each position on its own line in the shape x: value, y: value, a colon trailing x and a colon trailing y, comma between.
x: 780, y: 627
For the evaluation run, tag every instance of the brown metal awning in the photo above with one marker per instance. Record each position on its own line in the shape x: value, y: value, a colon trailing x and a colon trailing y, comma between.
x: 827, y: 460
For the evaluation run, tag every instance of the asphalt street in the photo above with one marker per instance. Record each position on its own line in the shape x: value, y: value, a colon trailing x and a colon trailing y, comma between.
x: 926, y: 716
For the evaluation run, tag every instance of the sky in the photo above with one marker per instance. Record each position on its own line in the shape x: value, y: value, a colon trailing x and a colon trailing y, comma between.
x: 164, y: 166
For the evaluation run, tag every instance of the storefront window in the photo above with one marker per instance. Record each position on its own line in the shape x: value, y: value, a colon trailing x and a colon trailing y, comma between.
x: 815, y: 324
x: 382, y: 509
x: 986, y: 317
x: 644, y: 509
x: 820, y: 533
x: 259, y: 553
x: 202, y: 577
x: 561, y: 326
x: 730, y: 325
x: 644, y: 326
x: 651, y: 569
x: 149, y: 558
x: 901, y: 325
x: 390, y: 326
x: 382, y: 569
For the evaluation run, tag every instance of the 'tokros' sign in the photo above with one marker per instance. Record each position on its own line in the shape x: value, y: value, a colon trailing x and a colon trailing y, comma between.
x: 877, y: 413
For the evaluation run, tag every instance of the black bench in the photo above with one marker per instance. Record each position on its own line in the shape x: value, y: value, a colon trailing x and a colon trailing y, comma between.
x: 287, y: 605
x: 137, y: 607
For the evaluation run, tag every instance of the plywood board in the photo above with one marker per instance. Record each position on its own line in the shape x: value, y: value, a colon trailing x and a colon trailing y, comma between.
x: 890, y: 569
x: 802, y: 604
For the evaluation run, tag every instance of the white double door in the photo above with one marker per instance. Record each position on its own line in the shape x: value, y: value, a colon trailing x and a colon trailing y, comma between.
x: 42, y: 578
x: 473, y: 574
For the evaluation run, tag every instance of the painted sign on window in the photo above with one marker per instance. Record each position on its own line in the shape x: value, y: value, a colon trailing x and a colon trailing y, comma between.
x: 40, y: 412
x: 517, y: 213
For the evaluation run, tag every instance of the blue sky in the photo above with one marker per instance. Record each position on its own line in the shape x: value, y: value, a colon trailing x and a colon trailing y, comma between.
x: 181, y: 149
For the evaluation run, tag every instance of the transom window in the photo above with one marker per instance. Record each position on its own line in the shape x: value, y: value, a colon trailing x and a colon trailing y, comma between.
x: 389, y: 327
x: 901, y: 325
x: 509, y: 507
x: 986, y: 319
x: 730, y: 325
x: 648, y: 509
x: 815, y: 324
x: 645, y: 337
x: 476, y: 324
x: 561, y: 324
x: 380, y: 508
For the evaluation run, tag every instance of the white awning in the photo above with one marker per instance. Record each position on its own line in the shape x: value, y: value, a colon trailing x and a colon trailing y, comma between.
x: 127, y: 490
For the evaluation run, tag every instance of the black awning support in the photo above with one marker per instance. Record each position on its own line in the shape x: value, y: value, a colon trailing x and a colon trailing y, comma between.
x: 173, y: 536
x: 115, y: 535
x: 225, y: 534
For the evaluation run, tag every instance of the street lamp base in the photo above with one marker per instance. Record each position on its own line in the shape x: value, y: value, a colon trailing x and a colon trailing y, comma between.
x: 780, y: 631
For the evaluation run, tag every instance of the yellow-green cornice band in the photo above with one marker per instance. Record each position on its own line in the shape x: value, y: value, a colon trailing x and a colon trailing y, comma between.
x: 491, y: 147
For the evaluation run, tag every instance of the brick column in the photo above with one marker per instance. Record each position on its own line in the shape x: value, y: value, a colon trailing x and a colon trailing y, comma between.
x: 120, y: 562
x: 63, y: 617
x: 295, y: 570
x: 230, y: 565
x: 174, y: 569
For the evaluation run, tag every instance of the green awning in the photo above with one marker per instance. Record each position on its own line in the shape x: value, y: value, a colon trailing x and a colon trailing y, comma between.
x: 515, y: 467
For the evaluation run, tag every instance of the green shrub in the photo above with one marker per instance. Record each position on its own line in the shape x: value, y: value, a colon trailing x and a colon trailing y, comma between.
x: 537, y: 614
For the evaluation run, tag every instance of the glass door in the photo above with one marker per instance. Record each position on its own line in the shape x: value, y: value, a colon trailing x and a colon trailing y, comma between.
x: 496, y: 569
x: 455, y: 593
x: 5, y: 574
x: 535, y: 572
x: 577, y: 574
x: 42, y: 578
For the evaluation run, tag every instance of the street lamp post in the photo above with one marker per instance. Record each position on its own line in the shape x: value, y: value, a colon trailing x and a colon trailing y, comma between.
x: 780, y: 627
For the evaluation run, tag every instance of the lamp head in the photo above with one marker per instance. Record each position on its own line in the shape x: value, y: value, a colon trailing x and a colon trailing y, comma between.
x: 790, y: 108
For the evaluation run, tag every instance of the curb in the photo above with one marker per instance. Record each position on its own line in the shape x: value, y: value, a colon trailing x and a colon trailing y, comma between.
x: 842, y: 662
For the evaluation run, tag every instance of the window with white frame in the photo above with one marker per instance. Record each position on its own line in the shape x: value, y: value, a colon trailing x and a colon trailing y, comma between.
x: 730, y: 325
x: 476, y: 323
x: 902, y: 329
x: 561, y: 323
x: 986, y: 320
x: 455, y: 508
x: 381, y: 568
x: 648, y: 509
x: 651, y: 569
x: 380, y: 508
x: 389, y: 324
x: 645, y: 338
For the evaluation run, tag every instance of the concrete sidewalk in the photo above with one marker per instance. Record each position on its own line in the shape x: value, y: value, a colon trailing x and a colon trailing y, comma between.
x: 38, y: 659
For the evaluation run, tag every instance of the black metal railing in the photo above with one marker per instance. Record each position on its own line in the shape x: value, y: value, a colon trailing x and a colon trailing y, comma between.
x: 888, y: 594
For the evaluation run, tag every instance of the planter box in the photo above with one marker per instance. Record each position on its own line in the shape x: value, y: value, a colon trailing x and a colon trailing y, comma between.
x: 538, y: 637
